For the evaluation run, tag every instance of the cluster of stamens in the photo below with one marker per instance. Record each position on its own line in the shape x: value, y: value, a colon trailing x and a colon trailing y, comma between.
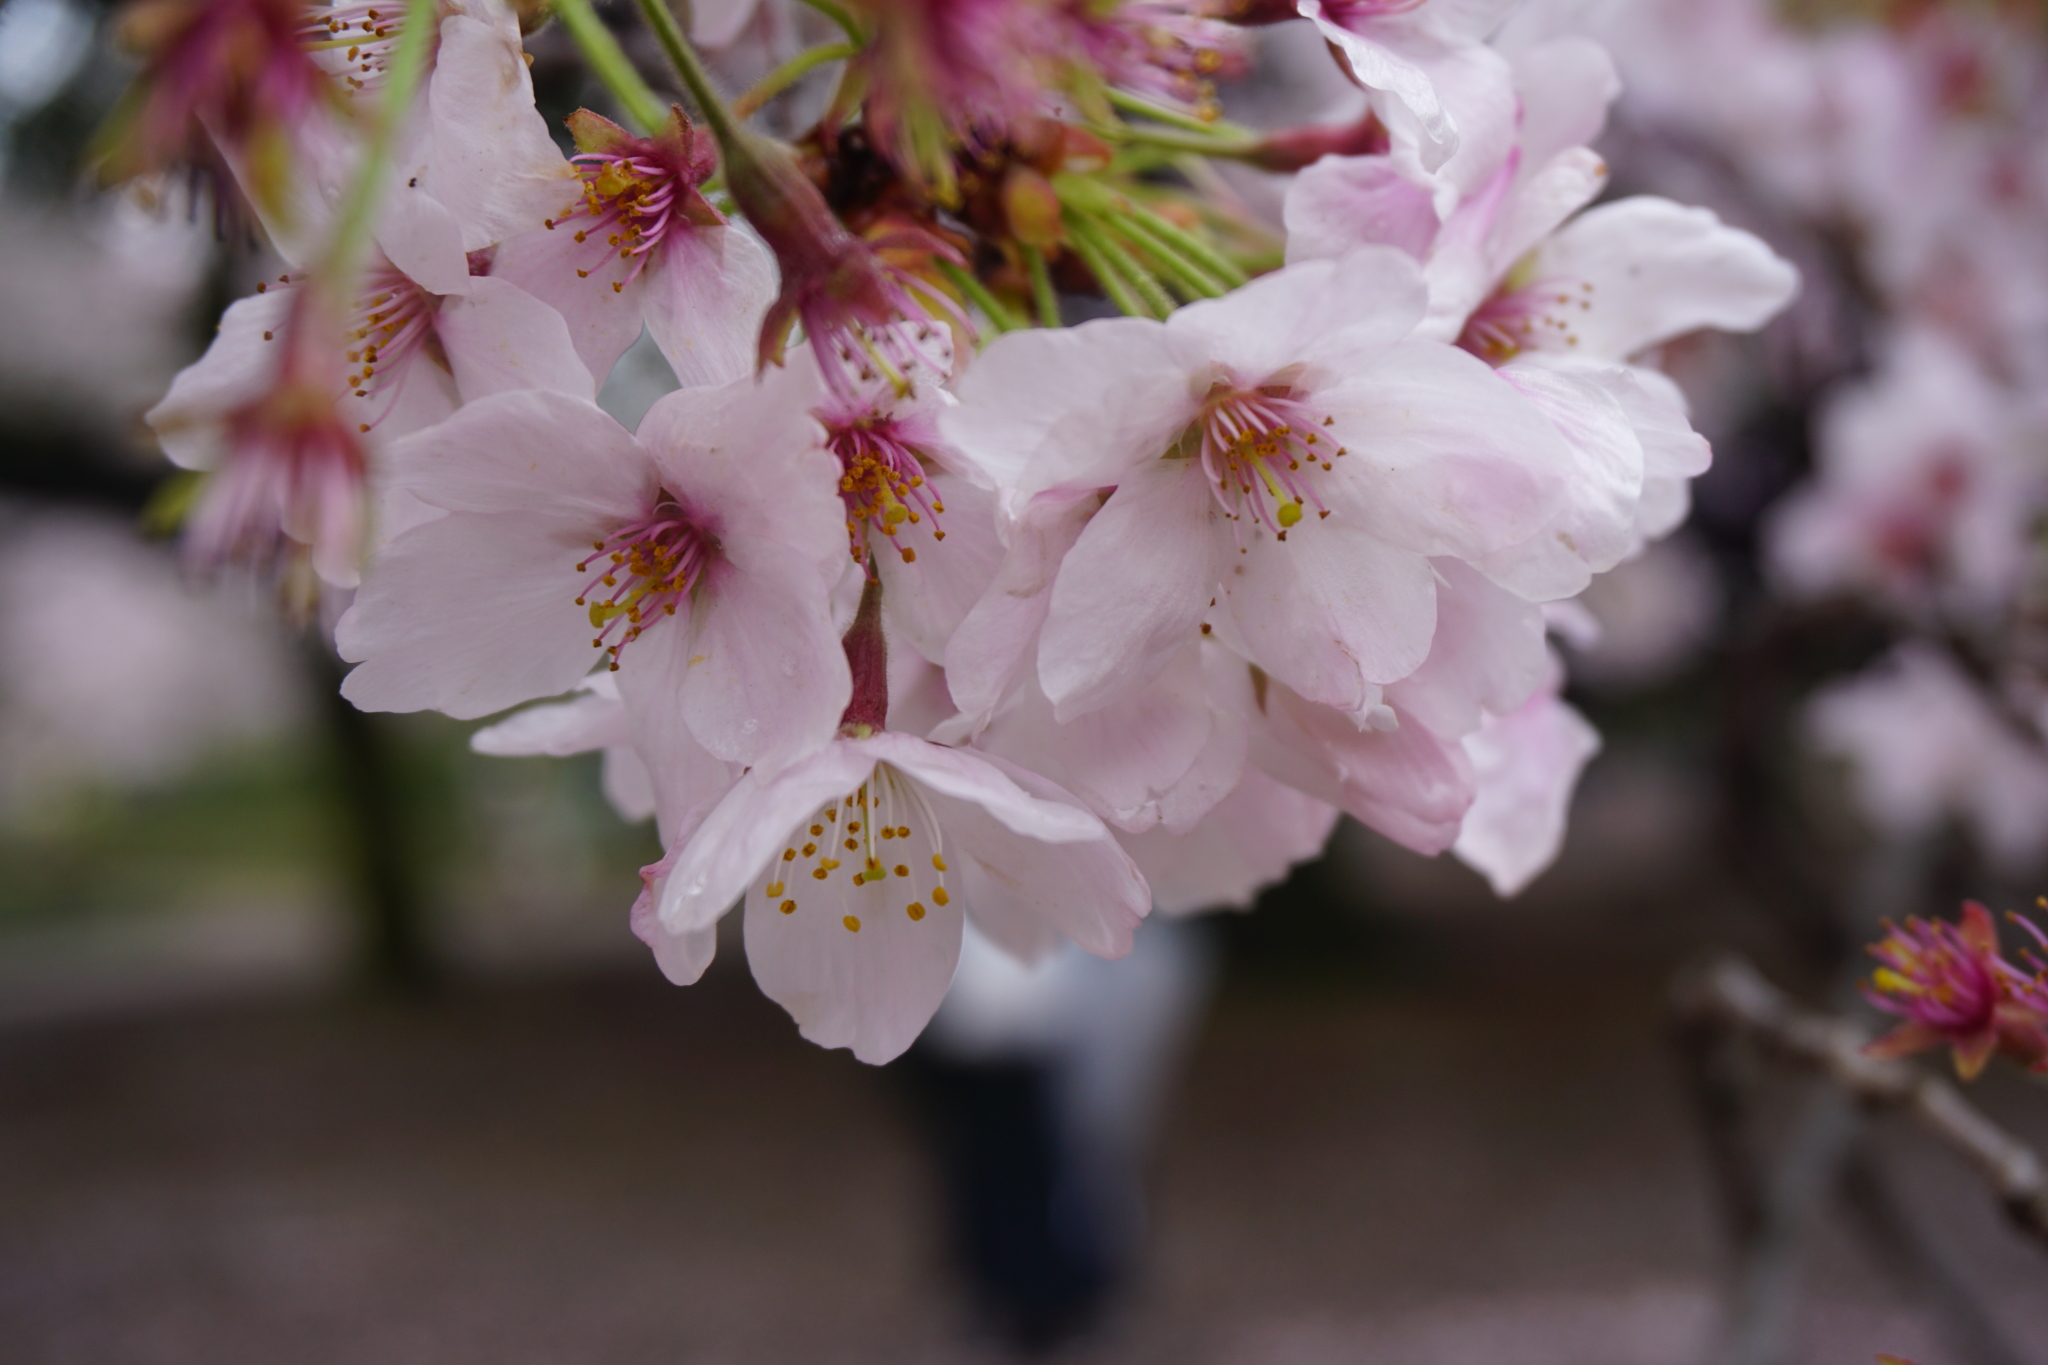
x: 630, y: 199
x: 1536, y: 316
x: 887, y: 831
x: 882, y: 482
x: 642, y: 573
x: 363, y: 34
x: 1258, y: 447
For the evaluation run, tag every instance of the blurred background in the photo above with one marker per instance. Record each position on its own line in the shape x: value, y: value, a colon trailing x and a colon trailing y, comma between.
x: 323, y: 1038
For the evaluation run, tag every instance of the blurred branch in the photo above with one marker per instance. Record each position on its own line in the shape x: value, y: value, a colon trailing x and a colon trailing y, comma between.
x: 1733, y: 996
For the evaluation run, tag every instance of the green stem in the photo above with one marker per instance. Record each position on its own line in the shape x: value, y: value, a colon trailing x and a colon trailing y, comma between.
x: 1142, y: 279
x: 640, y: 105
x: 1167, y: 139
x: 1191, y: 279
x: 1088, y: 245
x: 789, y: 73
x: 999, y: 316
x: 352, y: 226
x: 839, y: 16
x: 1043, y: 297
x: 1176, y: 118
x: 695, y: 78
x: 1190, y: 246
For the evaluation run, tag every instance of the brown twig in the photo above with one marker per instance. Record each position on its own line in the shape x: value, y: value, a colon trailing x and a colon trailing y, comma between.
x: 1732, y: 993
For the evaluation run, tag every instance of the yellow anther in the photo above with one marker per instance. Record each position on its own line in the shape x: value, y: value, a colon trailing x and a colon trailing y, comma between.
x: 939, y: 895
x: 852, y: 923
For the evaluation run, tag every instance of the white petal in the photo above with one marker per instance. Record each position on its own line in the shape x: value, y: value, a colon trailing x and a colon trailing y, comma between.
x: 499, y: 338
x: 1527, y: 765
x: 468, y: 615
x: 1248, y: 842
x: 1339, y: 314
x: 704, y: 305
x: 1132, y: 591
x: 528, y: 450
x: 1660, y: 270
x: 1344, y: 202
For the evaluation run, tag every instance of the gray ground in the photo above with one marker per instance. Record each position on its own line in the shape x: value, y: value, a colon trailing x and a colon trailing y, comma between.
x: 1488, y: 1165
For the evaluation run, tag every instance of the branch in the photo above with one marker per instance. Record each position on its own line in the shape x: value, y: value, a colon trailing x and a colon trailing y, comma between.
x: 1732, y: 994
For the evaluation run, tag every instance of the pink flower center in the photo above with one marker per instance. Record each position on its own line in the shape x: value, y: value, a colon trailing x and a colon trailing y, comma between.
x: 393, y: 319
x: 882, y: 482
x: 643, y: 572
x: 632, y: 200
x: 1260, y: 448
x: 1532, y: 317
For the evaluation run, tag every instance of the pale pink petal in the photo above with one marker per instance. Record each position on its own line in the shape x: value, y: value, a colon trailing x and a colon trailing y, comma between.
x: 1131, y: 592
x: 1405, y: 98
x: 1088, y: 889
x: 757, y: 672
x: 1025, y: 804
x: 1445, y: 458
x: 854, y: 964
x: 1338, y: 314
x: 237, y: 369
x: 468, y: 615
x: 1001, y: 631
x: 1596, y: 527
x: 602, y: 320
x: 1488, y: 654
x: 1248, y: 842
x: 1345, y: 202
x: 485, y: 152
x: 1076, y: 406
x: 925, y: 599
x: 498, y: 337
x: 1407, y: 783
x: 1566, y: 86
x: 1527, y: 764
x: 704, y: 301
x: 1659, y: 270
x: 423, y: 239
x: 531, y: 448
x: 1332, y: 610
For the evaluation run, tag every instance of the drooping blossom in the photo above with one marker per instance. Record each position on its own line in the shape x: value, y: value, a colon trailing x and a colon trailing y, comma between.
x: 232, y: 72
x: 1952, y: 987
x: 635, y: 242
x: 697, y: 559
x: 1525, y: 766
x: 287, y: 467
x: 858, y: 862
x: 1284, y: 454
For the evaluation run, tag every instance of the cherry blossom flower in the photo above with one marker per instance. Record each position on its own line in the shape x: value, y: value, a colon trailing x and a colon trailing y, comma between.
x: 919, y: 516
x: 1953, y: 989
x: 1925, y: 744
x: 235, y: 72
x: 636, y: 242
x: 858, y: 862
x: 1284, y: 454
x: 697, y: 558
x: 1927, y: 491
x: 1563, y: 309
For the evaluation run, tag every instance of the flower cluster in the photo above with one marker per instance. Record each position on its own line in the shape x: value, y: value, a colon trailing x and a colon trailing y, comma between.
x: 1954, y: 989
x: 912, y: 606
x: 1903, y: 143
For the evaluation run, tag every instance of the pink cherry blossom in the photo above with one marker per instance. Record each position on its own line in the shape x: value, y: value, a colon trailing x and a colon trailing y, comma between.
x: 858, y: 862
x: 1925, y: 744
x: 634, y: 242
x: 1953, y: 989
x: 1284, y: 454
x: 1246, y: 843
x: 697, y: 558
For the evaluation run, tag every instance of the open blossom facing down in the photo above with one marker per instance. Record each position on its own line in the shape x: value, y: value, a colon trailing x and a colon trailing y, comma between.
x: 858, y: 863
x: 1954, y: 989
